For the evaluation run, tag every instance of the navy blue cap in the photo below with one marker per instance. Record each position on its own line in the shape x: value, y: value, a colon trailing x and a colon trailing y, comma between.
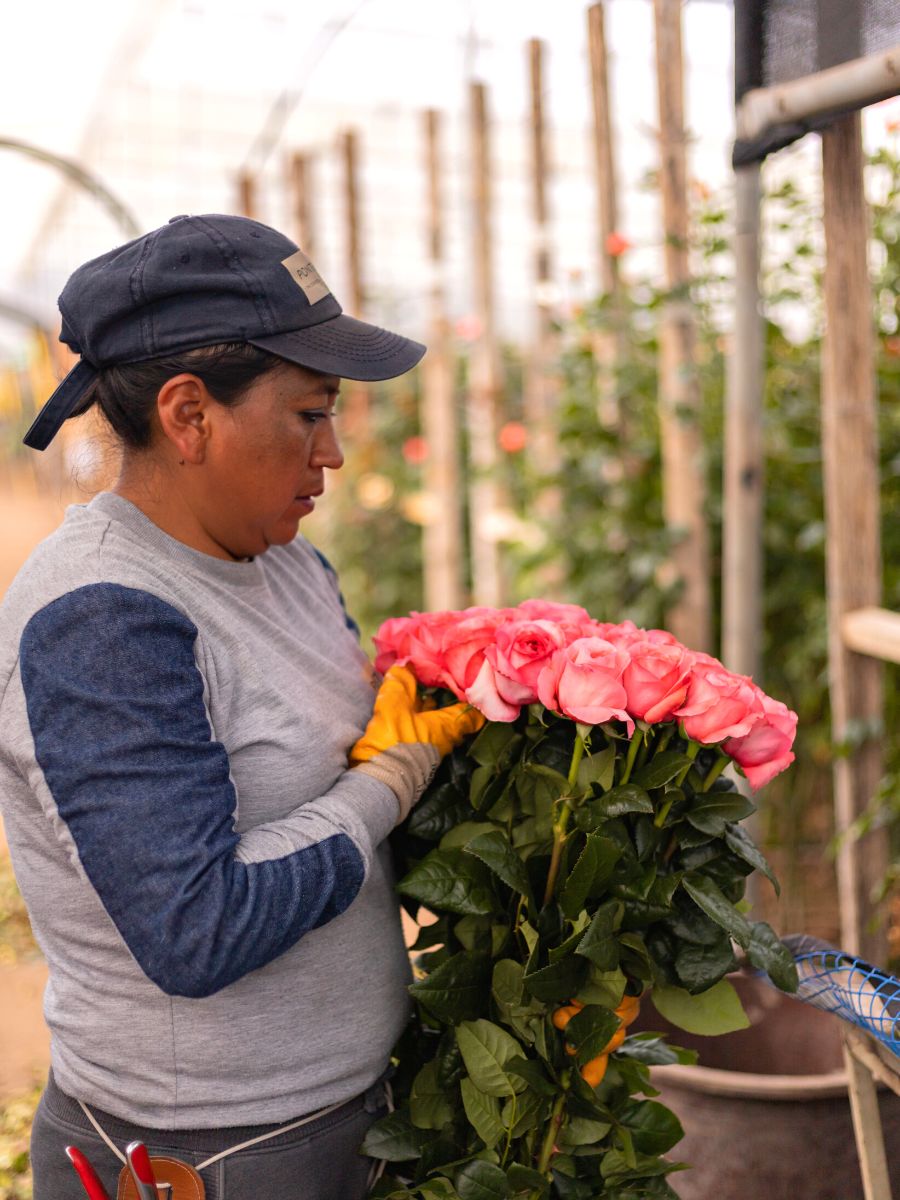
x: 200, y: 281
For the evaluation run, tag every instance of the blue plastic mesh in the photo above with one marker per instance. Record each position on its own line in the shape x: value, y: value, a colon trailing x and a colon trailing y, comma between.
x: 856, y: 991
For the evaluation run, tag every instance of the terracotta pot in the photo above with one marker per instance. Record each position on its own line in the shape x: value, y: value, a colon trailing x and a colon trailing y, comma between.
x: 765, y: 1112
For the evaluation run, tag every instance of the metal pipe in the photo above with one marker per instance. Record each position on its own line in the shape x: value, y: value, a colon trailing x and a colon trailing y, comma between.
x: 853, y: 84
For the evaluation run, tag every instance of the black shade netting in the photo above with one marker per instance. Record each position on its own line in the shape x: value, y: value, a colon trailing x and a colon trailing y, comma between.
x: 777, y: 41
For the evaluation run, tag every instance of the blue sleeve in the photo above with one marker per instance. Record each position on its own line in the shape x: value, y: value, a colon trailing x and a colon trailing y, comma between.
x: 121, y: 733
x: 333, y: 577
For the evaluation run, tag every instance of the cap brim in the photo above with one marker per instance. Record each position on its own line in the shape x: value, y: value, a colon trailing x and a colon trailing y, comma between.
x: 346, y: 347
x: 60, y: 406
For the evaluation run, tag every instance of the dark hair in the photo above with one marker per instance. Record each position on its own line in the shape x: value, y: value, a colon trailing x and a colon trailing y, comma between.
x: 127, y: 393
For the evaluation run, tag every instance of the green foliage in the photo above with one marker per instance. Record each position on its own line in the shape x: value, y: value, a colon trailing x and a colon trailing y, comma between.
x: 616, y: 890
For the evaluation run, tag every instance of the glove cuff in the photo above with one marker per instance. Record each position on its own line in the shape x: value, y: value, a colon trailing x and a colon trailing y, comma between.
x: 406, y: 768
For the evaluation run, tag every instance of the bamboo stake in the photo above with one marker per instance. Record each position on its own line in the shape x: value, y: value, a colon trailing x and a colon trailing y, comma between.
x: 541, y: 382
x: 300, y: 176
x: 607, y: 344
x: 486, y: 377
x: 357, y: 402
x: 852, y: 503
x: 247, y: 194
x: 443, y: 547
x: 679, y: 396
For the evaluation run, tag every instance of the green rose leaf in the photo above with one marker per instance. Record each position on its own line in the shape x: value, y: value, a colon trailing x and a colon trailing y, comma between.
x: 597, y: 768
x: 582, y: 1131
x: 453, y: 881
x: 465, y: 831
x: 437, y: 1189
x: 767, y: 951
x: 506, y: 985
x: 715, y: 1011
x: 661, y: 769
x: 655, y: 1051
x: 483, y: 1113
x: 439, y: 811
x: 699, y: 967
x: 740, y: 842
x: 526, y: 1179
x: 482, y: 1181
x: 653, y: 1128
x: 456, y: 990
x: 628, y: 798
x: 393, y: 1138
x: 486, y: 1050
x: 709, y: 896
x: 716, y: 809
x: 429, y: 1107
x: 494, y: 742
x: 602, y: 987
x: 558, y: 981
x: 569, y: 1188
x: 590, y: 1030
x: 591, y: 872
x: 494, y: 850
x: 599, y: 943
x: 533, y: 1074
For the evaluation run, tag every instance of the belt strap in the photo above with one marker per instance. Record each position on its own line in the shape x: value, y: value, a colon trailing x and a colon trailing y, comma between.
x: 264, y: 1137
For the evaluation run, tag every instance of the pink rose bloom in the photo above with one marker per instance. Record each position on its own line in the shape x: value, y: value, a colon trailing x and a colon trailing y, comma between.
x: 415, y: 641
x: 620, y: 634
x: 509, y: 674
x: 392, y: 643
x: 765, y: 751
x: 719, y: 704
x: 584, y: 682
x: 463, y: 643
x: 656, y: 678
x: 571, y: 618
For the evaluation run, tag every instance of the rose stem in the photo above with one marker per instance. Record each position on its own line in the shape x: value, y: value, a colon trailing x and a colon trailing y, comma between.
x: 562, y: 821
x: 715, y: 772
x: 551, y: 1135
x: 636, y: 738
x: 692, y: 751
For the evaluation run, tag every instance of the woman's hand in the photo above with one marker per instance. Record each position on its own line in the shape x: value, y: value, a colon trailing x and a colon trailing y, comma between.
x: 403, y: 743
x: 399, y: 717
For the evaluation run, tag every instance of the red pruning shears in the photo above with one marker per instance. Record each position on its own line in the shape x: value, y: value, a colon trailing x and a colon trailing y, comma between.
x: 90, y: 1180
x: 141, y: 1171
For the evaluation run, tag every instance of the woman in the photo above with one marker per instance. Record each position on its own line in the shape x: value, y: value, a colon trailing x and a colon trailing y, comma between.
x: 182, y: 698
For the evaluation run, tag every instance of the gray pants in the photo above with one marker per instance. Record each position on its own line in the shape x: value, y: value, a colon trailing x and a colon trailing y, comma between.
x: 319, y: 1161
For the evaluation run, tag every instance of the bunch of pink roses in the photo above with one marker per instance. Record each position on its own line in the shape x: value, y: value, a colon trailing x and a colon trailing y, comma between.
x: 502, y: 659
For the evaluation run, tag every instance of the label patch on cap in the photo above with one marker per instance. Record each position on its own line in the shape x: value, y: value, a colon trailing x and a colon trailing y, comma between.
x: 306, y: 276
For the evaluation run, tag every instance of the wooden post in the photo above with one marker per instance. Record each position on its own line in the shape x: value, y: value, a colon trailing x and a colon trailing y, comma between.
x: 300, y: 183
x: 357, y: 402
x: 604, y: 157
x: 852, y: 514
x: 606, y: 343
x: 743, y: 509
x: 247, y: 194
x: 679, y: 394
x: 443, y: 550
x: 485, y: 384
x: 541, y: 382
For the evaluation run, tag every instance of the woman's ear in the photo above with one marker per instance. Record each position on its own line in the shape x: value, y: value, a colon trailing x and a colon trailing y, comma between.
x: 183, y: 405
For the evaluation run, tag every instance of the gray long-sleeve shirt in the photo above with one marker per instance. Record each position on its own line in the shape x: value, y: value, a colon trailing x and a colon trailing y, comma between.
x: 206, y: 878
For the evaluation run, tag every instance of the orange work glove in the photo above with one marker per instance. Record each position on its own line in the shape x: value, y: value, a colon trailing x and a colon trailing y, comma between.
x: 400, y: 718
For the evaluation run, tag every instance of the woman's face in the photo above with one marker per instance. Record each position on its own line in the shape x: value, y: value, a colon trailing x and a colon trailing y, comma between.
x: 266, y: 459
